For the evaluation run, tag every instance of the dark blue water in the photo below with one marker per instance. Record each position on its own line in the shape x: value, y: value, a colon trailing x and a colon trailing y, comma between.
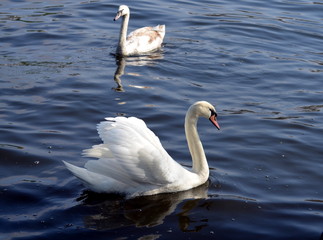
x: 259, y: 62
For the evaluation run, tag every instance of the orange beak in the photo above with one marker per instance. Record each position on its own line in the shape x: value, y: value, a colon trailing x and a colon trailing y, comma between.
x: 215, y: 123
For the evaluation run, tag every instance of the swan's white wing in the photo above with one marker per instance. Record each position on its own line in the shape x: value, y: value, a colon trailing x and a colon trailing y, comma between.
x: 132, y: 154
x: 146, y: 39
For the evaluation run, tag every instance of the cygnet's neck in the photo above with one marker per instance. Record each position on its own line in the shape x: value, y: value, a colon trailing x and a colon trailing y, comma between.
x: 123, y: 34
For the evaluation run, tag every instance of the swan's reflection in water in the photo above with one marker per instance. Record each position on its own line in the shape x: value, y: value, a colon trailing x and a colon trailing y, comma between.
x: 111, y: 211
x: 121, y: 63
x: 144, y: 60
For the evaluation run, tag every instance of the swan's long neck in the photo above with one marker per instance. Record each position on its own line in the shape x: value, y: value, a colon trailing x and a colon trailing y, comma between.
x: 123, y: 34
x: 200, y: 165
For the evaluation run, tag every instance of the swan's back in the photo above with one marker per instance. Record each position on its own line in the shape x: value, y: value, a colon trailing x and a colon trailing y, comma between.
x: 145, y: 39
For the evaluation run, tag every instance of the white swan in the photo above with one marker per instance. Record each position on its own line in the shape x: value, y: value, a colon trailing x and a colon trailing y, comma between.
x: 140, y: 41
x: 132, y: 160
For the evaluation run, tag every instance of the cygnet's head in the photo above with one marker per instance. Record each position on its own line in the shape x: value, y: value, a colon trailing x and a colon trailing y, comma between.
x: 123, y: 10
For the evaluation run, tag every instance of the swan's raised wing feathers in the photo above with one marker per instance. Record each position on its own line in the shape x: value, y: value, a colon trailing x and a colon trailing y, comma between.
x: 132, y: 154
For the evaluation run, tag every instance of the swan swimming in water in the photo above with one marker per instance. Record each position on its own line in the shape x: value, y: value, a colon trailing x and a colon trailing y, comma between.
x: 142, y: 40
x: 132, y: 161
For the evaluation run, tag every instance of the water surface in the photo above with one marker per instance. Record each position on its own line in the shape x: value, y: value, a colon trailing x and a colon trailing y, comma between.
x: 259, y: 62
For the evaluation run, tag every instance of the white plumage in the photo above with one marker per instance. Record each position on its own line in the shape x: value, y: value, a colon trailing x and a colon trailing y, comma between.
x: 132, y: 161
x: 140, y: 41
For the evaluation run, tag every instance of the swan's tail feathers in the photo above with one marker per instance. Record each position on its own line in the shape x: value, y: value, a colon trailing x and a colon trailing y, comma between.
x: 91, y: 180
x: 78, y: 172
x: 160, y: 28
x: 84, y: 175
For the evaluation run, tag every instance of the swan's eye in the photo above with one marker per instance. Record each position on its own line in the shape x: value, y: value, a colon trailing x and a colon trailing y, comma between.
x: 213, y: 113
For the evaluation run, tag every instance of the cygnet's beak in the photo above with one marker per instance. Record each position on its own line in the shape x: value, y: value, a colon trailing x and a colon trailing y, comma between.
x: 214, y: 121
x: 117, y: 16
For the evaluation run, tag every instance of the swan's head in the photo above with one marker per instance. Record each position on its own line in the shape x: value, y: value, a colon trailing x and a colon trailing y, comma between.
x: 205, y: 109
x: 123, y: 10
